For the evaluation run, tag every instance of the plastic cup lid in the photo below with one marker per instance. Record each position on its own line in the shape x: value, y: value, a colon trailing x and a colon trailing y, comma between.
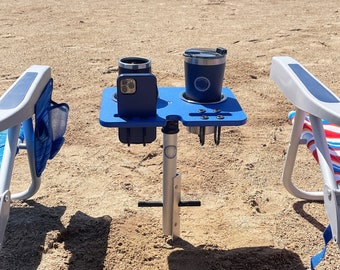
x: 205, y: 56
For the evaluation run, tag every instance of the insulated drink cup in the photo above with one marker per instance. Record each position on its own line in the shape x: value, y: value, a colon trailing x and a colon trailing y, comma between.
x: 204, y: 71
x: 134, y: 64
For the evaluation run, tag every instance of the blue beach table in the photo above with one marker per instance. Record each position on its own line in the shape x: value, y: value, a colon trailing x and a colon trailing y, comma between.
x: 172, y: 107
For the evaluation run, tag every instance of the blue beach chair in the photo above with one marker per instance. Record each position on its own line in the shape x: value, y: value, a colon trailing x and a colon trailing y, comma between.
x: 29, y: 120
x: 316, y: 123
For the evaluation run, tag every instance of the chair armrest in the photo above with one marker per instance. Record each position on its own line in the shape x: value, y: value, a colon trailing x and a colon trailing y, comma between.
x: 18, y: 102
x: 304, y: 90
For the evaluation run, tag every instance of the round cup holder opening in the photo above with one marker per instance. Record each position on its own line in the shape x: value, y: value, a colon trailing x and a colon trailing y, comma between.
x: 187, y: 99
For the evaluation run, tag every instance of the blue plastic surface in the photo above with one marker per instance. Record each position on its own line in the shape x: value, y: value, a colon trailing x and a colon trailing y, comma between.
x: 171, y: 106
x: 312, y: 85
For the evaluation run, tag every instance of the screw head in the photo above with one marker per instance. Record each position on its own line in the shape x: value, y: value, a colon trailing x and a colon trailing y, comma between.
x: 329, y: 194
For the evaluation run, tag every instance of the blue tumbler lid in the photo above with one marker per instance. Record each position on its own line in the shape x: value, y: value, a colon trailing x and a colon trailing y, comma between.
x: 205, y: 56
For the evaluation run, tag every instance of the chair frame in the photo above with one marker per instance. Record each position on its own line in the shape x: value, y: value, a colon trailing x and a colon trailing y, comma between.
x: 17, y: 107
x: 310, y: 96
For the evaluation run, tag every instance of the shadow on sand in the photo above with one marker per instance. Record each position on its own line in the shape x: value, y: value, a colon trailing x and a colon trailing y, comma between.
x: 35, y: 229
x: 86, y: 238
x: 210, y: 258
x: 298, y: 207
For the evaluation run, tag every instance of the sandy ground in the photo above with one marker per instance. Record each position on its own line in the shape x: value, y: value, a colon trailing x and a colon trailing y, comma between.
x: 85, y: 215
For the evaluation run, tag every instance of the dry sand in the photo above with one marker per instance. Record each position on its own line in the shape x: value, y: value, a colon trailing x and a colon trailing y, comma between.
x: 85, y: 215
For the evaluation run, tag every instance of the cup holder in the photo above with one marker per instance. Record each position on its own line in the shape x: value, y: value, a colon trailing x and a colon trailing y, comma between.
x: 186, y: 99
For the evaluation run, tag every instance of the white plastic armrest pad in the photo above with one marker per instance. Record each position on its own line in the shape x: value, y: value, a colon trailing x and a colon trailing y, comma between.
x: 18, y: 102
x: 304, y: 90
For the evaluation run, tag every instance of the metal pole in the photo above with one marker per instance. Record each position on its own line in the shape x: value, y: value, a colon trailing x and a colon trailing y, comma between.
x: 169, y: 173
x: 8, y: 158
x: 35, y: 180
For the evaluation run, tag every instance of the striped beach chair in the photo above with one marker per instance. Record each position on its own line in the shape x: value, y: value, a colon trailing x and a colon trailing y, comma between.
x: 316, y: 123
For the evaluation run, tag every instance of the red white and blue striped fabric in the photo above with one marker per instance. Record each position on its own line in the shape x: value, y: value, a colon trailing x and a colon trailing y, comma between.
x: 332, y: 134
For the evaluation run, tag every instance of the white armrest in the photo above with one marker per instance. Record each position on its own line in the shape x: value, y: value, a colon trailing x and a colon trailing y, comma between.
x: 304, y: 90
x: 17, y: 103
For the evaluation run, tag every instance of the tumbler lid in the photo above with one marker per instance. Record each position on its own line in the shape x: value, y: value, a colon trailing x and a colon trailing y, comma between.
x: 134, y: 62
x: 205, y: 56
